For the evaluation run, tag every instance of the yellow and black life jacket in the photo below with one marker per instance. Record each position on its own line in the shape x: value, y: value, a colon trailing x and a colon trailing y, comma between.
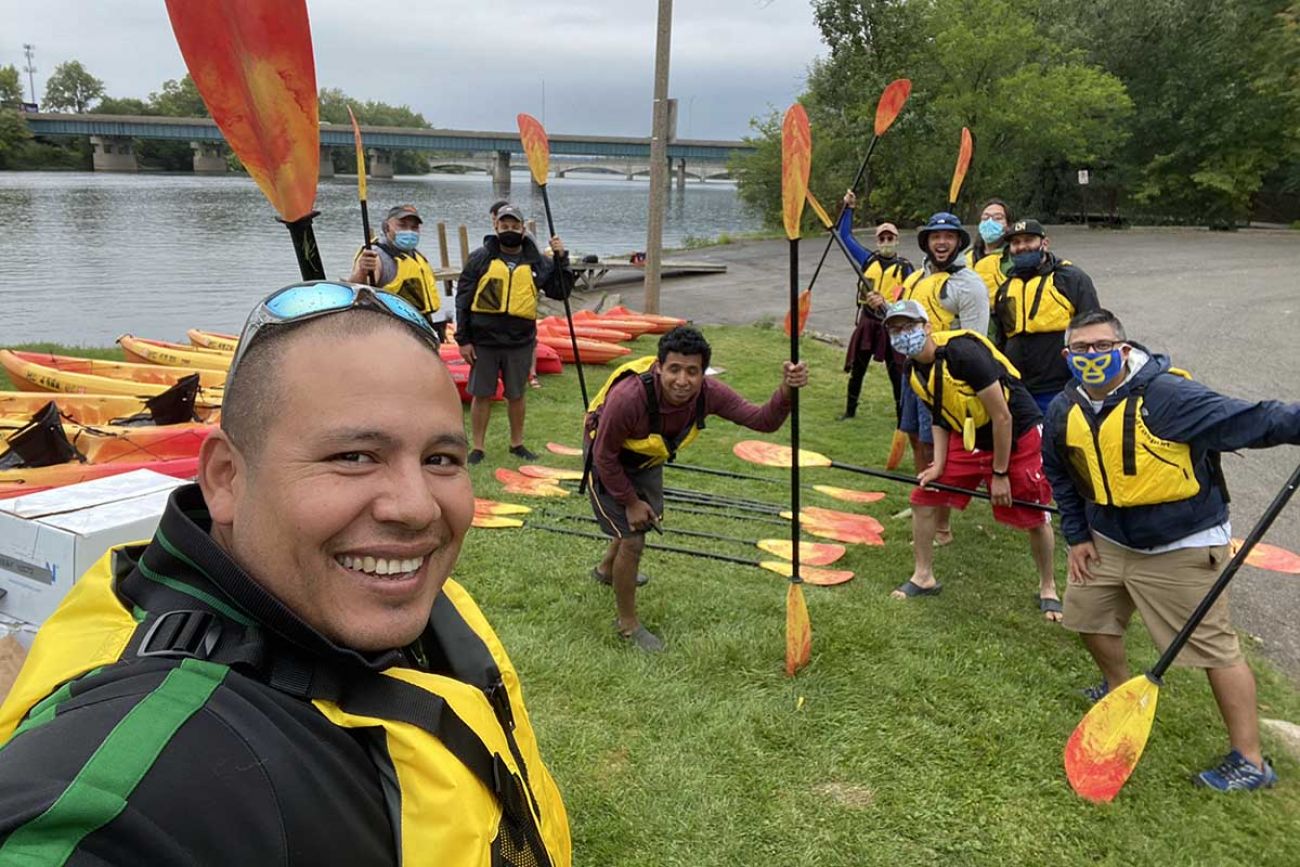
x: 653, y: 449
x: 956, y: 400
x: 471, y: 788
x: 887, y: 280
x: 928, y: 290
x: 1117, y: 461
x: 414, y: 280
x: 990, y: 270
x: 507, y: 289
x: 1033, y: 305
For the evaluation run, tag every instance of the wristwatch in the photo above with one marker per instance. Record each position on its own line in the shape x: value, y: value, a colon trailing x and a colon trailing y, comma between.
x: 1003, y: 473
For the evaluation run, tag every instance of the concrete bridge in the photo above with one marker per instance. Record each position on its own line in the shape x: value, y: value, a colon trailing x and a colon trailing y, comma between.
x: 112, y: 137
x: 699, y: 170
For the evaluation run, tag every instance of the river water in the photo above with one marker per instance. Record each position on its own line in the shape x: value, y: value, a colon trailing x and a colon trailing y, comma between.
x: 88, y: 257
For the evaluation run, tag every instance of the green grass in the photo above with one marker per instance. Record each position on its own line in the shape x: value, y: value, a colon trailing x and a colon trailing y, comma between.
x: 924, y: 732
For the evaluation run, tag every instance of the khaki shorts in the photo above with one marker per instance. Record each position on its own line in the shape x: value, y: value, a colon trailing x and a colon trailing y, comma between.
x: 1165, y: 589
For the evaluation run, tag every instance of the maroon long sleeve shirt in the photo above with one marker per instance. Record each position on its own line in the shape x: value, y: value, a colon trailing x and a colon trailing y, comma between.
x: 624, y: 416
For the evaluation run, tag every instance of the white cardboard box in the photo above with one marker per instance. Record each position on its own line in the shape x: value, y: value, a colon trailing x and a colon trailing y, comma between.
x: 49, y: 539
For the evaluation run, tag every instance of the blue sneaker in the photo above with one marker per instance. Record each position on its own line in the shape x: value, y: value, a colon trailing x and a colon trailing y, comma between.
x: 1236, y: 774
x: 1096, y: 693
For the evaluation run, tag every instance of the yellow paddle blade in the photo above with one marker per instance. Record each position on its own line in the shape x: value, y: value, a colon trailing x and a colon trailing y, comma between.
x: 891, y: 103
x: 1107, y: 743
x: 812, y: 553
x: 557, y: 449
x: 964, y: 155
x: 492, y: 507
x: 536, y: 147
x: 776, y: 455
x: 798, y: 630
x: 809, y: 574
x: 494, y: 522
x: 539, y: 472
x: 824, y: 217
x: 849, y: 495
x: 1264, y: 556
x: 897, y: 448
x: 361, y: 156
x: 796, y: 163
x: 805, y: 307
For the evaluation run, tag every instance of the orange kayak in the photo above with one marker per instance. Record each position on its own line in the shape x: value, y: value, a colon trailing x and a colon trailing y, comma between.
x: 635, y: 327
x: 662, y: 324
x: 213, y: 339
x: 111, y: 444
x: 609, y: 335
x: 28, y: 481
x: 592, y: 351
x: 32, y: 376
x: 173, y: 354
x: 95, y: 409
x: 40, y: 371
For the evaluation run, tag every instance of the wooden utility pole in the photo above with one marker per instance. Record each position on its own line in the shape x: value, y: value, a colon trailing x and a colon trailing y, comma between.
x: 654, y: 241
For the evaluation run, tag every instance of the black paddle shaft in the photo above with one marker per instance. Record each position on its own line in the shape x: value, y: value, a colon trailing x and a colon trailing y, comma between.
x: 304, y: 246
x: 862, y: 170
x: 938, y: 486
x: 690, y: 552
x: 568, y: 312
x: 794, y: 411
x: 1261, y: 527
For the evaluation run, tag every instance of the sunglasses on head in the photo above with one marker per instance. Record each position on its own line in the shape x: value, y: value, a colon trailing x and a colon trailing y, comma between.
x: 304, y: 301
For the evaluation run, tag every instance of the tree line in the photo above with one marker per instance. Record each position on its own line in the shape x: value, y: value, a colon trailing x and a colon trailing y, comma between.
x: 72, y: 88
x: 1183, y: 111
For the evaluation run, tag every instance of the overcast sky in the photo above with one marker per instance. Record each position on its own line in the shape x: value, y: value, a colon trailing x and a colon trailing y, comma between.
x: 470, y: 64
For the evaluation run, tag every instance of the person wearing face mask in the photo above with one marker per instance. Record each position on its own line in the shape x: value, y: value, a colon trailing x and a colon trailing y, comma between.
x: 1132, y: 451
x: 393, y: 263
x: 954, y: 297
x: 1034, y: 305
x: 988, y: 253
x: 885, y: 271
x: 987, y: 430
x: 496, y: 321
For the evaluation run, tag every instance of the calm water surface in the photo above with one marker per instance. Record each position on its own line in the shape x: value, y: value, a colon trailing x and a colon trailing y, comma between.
x: 91, y: 256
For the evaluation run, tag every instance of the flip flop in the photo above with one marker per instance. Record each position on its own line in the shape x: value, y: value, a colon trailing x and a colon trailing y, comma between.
x: 1050, y: 606
x: 908, y: 589
x: 597, y: 575
x: 642, y: 638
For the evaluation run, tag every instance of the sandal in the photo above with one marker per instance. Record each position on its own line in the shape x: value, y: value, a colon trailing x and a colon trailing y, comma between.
x: 642, y: 638
x: 1050, y: 606
x: 601, y: 577
x: 909, y: 589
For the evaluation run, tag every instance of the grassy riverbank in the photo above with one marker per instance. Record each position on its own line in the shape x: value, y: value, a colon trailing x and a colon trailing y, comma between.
x: 924, y: 732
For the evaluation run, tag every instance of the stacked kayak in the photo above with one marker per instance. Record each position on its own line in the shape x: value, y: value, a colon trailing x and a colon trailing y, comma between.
x: 39, y: 371
x: 160, y: 352
x: 16, y: 482
x: 91, y: 409
x: 213, y: 340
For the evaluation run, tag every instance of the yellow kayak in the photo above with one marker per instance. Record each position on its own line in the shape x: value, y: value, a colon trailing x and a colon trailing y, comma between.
x: 93, y: 409
x: 213, y: 339
x: 32, y: 371
x: 113, y: 444
x: 159, y: 352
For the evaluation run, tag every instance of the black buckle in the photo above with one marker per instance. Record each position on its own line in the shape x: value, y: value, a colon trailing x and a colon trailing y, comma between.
x: 182, y: 635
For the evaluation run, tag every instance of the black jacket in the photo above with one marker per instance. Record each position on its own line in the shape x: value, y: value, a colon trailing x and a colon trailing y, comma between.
x: 1038, y: 356
x: 496, y: 329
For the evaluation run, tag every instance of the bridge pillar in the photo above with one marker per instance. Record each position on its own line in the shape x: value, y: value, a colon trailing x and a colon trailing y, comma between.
x: 501, y: 174
x: 209, y: 157
x: 681, y: 174
x: 113, y: 153
x: 381, y: 163
x: 326, y: 161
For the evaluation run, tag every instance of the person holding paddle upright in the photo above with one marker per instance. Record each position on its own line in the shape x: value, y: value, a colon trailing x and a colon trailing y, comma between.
x: 986, y: 429
x: 1132, y: 451
x: 647, y: 410
x: 392, y: 262
x: 885, y: 271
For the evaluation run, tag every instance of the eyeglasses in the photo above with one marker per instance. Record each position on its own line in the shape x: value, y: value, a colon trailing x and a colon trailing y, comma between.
x: 304, y: 301
x: 1094, y: 346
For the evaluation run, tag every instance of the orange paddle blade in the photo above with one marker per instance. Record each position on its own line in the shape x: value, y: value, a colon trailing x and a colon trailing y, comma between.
x: 492, y: 507
x: 812, y: 553
x: 824, y: 217
x: 851, y: 534
x: 538, y: 472
x: 536, y: 146
x: 361, y: 156
x: 776, y: 455
x: 805, y: 307
x: 252, y: 63
x: 796, y: 163
x: 818, y: 515
x: 809, y: 574
x: 798, y: 630
x: 891, y: 103
x: 557, y: 449
x: 897, y: 448
x: 1105, y: 746
x: 518, y: 483
x: 964, y: 155
x: 849, y: 495
x: 494, y: 522
x: 1271, y: 557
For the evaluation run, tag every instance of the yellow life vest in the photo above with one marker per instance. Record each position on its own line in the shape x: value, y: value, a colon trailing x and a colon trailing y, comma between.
x: 1117, y: 461
x: 888, y: 281
x: 955, y: 399
x: 990, y: 270
x: 653, y: 449
x: 927, y: 289
x: 1033, y: 305
x: 506, y: 289
x: 414, y: 280
x: 447, y: 811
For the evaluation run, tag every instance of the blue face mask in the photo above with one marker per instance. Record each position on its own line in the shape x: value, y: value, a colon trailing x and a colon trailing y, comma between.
x: 991, y: 230
x: 1027, y: 263
x: 406, y: 240
x: 1095, y: 368
x: 908, y: 342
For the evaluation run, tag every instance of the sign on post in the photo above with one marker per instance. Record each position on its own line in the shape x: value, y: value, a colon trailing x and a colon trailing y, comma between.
x: 1083, y: 177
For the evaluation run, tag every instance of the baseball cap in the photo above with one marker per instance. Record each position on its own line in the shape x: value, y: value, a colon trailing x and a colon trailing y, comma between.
x: 398, y: 211
x: 510, y: 211
x: 886, y: 227
x: 1025, y: 227
x: 906, y: 310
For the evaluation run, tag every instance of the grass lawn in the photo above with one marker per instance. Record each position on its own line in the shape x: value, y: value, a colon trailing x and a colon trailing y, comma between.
x: 924, y: 732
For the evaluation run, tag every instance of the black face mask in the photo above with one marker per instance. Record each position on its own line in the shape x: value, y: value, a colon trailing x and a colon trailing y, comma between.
x: 510, y: 239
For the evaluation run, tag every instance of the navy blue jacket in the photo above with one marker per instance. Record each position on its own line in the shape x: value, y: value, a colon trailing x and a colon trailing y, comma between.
x: 1179, y: 410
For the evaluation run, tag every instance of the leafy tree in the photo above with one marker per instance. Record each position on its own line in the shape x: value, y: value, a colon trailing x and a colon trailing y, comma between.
x: 13, y: 135
x: 334, y: 105
x: 11, y: 88
x: 71, y: 88
x: 128, y: 105
x: 178, y: 99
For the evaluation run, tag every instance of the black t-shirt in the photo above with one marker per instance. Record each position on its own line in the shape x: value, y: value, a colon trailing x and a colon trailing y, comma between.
x: 970, y: 361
